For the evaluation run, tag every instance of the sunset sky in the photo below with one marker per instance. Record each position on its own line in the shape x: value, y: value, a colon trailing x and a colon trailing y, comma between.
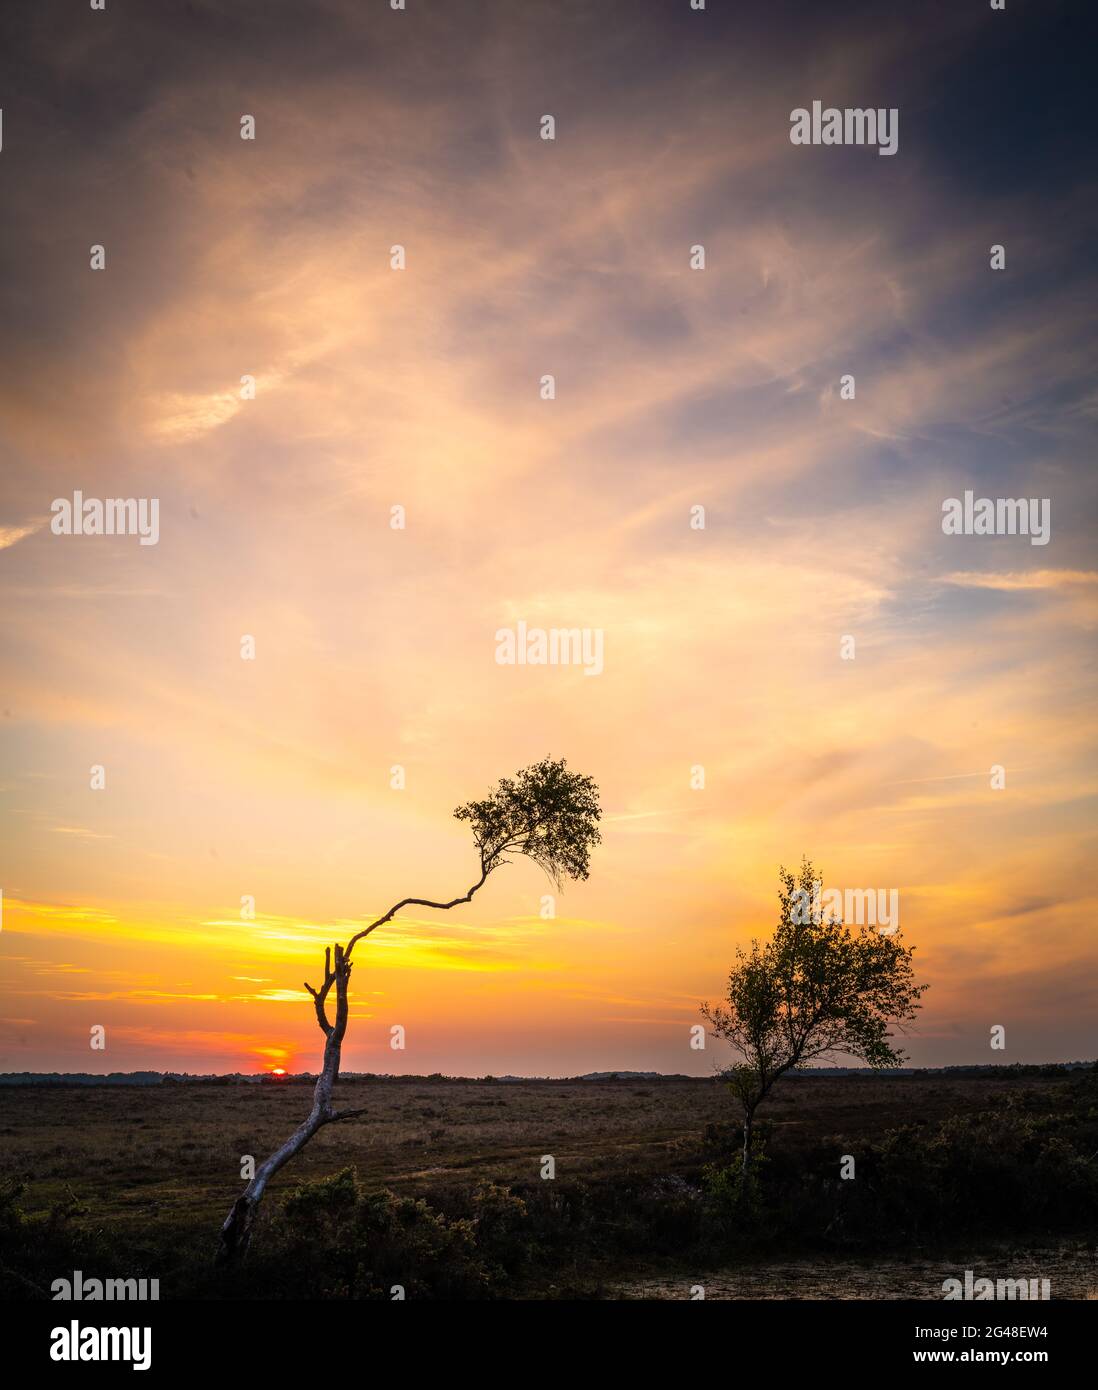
x: 419, y: 388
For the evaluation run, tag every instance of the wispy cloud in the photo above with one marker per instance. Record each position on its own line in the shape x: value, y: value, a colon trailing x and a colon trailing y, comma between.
x: 675, y: 388
x: 1024, y: 579
x: 12, y: 535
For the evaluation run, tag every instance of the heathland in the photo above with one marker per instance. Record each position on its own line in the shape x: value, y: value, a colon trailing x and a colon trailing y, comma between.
x: 438, y: 1187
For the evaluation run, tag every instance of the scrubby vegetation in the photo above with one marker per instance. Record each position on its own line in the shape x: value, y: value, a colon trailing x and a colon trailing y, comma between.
x: 646, y: 1178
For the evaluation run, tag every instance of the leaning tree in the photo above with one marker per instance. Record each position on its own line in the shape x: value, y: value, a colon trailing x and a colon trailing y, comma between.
x: 546, y: 813
x: 817, y: 989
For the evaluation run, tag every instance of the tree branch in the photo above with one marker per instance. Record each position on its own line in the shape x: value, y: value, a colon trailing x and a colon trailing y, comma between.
x: 321, y: 994
x: 418, y: 902
x: 338, y: 1115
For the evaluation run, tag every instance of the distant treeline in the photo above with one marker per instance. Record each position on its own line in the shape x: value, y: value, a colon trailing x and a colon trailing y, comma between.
x: 157, y: 1078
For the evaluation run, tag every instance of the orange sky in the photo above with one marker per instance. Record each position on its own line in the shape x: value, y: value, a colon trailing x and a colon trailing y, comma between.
x: 375, y: 647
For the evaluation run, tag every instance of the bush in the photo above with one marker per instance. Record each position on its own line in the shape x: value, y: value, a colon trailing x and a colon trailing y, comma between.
x: 735, y: 1200
x: 356, y: 1244
x: 502, y: 1228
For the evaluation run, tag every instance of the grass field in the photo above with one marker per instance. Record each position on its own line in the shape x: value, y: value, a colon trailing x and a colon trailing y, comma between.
x: 152, y: 1170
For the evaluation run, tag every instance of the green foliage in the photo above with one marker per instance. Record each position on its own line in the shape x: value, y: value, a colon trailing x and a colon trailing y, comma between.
x: 11, y: 1215
x: 995, y: 1169
x: 35, y: 1250
x: 1015, y: 1160
x: 734, y: 1192
x: 359, y: 1244
x: 818, y: 988
x: 547, y: 813
x: 502, y: 1228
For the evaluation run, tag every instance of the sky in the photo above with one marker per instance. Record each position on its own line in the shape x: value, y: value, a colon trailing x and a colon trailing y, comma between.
x: 420, y: 388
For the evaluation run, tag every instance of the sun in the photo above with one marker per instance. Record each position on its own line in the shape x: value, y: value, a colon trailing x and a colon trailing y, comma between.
x: 278, y: 1071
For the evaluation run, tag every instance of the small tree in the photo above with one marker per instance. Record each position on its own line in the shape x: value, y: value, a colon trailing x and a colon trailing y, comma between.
x: 546, y: 813
x: 817, y: 989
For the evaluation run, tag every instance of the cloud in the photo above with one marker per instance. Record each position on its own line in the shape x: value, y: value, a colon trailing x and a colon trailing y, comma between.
x: 11, y: 535
x: 1016, y: 581
x: 420, y: 388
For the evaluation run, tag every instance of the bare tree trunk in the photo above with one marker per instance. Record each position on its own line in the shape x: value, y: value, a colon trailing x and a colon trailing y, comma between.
x: 236, y: 1233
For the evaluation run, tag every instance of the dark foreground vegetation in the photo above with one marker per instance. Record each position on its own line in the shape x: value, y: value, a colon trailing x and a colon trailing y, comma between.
x: 438, y: 1188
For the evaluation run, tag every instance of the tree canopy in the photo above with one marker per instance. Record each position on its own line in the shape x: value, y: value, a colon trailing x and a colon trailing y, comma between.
x: 818, y: 988
x: 545, y: 812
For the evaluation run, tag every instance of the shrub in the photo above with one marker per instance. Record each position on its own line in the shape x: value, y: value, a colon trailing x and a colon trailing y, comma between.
x: 357, y: 1244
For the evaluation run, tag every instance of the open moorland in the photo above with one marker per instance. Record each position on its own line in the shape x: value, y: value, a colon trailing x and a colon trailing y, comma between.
x: 438, y: 1188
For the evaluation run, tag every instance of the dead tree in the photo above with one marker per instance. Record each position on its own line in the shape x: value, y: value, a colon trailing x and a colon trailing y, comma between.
x: 546, y: 813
